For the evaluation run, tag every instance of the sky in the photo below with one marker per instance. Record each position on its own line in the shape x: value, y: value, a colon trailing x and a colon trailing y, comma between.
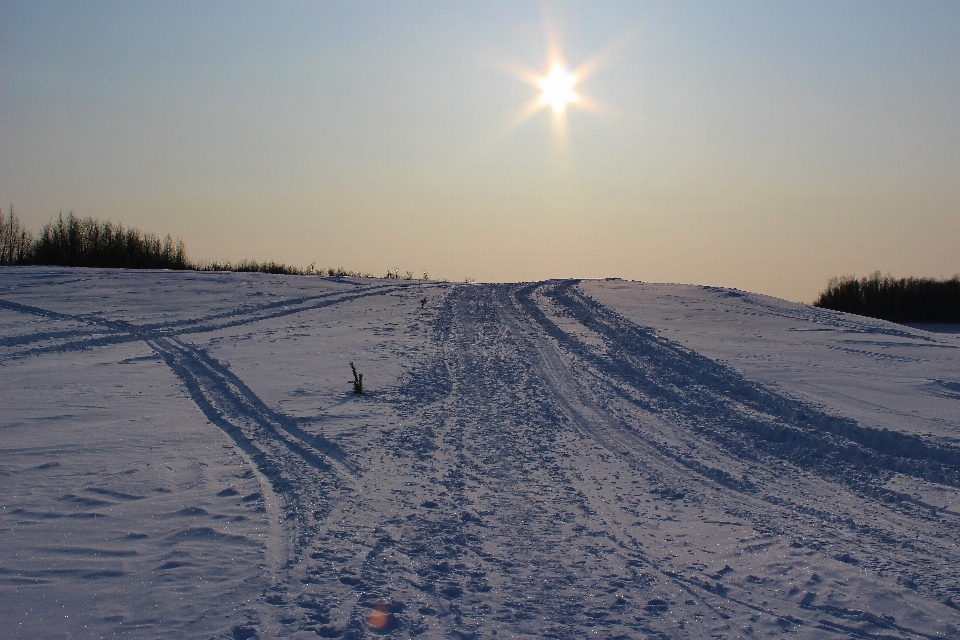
x: 765, y: 146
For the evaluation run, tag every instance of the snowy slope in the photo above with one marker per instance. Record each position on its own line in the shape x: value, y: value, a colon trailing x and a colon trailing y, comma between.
x: 181, y: 456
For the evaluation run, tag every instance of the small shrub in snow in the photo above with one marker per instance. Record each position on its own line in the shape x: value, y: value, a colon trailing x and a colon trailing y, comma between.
x: 357, y: 380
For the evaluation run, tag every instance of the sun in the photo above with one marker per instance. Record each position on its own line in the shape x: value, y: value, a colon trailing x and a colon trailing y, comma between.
x: 557, y: 88
x: 556, y: 83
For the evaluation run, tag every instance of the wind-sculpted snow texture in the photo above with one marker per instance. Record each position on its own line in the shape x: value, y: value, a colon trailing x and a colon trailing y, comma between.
x: 182, y: 457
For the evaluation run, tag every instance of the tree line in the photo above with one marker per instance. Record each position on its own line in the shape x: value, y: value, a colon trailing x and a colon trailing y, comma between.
x: 70, y: 241
x: 895, y: 299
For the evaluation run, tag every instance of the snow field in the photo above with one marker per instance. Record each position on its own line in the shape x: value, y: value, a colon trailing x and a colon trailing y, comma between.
x: 182, y: 457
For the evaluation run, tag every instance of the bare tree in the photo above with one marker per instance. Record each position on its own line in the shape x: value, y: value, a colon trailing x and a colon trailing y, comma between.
x: 16, y: 242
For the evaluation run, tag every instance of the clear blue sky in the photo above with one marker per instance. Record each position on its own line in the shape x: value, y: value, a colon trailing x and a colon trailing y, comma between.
x: 765, y: 146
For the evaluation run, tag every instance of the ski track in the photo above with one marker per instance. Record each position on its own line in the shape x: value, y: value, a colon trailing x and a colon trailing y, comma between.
x: 547, y: 467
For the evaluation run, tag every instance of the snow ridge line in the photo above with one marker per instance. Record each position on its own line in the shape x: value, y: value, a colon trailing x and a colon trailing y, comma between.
x: 692, y: 385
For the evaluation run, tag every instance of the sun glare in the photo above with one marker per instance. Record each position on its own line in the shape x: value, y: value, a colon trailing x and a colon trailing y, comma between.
x: 556, y: 85
x: 557, y: 88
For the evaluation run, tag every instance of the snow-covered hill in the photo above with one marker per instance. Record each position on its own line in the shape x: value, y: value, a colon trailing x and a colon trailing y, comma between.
x: 181, y: 455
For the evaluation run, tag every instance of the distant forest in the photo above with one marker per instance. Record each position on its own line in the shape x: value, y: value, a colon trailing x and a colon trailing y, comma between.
x: 898, y: 300
x: 70, y: 241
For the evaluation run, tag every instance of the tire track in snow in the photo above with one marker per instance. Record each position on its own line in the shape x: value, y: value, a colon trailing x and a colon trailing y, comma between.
x: 751, y: 423
x: 626, y: 362
x: 118, y: 332
x: 268, y: 311
x: 503, y: 528
x: 301, y: 474
x: 274, y: 498
x: 700, y: 390
x: 499, y: 516
x: 224, y: 397
x: 495, y: 530
x: 249, y: 404
x: 220, y: 394
x: 667, y: 472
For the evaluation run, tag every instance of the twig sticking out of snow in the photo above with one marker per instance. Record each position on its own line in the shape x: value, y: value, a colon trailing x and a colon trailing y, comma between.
x: 357, y: 380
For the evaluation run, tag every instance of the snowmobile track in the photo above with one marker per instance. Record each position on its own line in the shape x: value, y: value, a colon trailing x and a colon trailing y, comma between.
x: 516, y: 526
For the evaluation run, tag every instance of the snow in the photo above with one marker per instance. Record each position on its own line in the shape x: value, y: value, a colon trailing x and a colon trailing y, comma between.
x: 182, y: 456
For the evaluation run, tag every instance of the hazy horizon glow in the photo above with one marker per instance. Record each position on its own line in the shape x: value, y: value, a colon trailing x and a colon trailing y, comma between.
x: 763, y: 146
